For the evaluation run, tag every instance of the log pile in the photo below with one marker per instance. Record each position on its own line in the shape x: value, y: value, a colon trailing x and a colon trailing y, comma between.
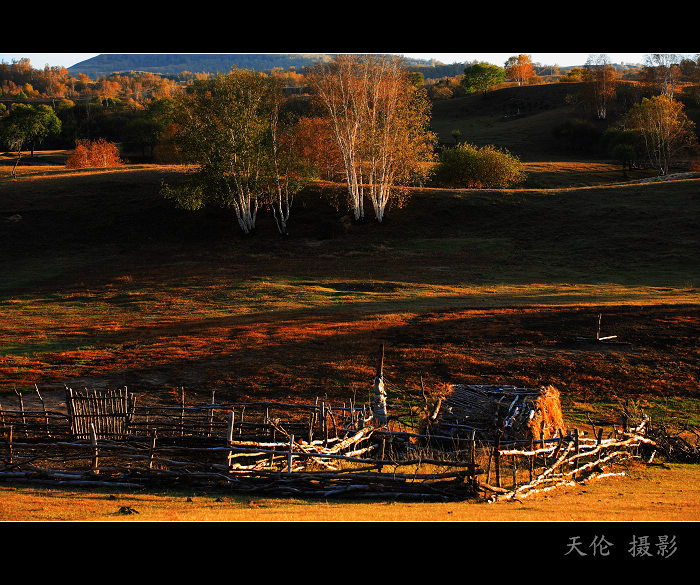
x: 567, y: 460
x: 485, y: 410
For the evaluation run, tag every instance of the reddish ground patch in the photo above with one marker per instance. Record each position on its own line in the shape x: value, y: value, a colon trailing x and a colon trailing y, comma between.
x: 299, y: 357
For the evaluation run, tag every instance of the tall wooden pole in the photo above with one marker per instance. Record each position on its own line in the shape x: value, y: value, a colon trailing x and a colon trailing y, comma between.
x: 379, y: 402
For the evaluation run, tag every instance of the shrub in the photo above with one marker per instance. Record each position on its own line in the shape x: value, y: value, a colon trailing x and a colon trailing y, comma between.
x: 578, y: 136
x: 468, y: 166
x: 94, y: 154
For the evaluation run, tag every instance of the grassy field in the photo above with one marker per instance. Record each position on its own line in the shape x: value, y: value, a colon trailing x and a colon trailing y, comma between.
x: 669, y: 494
x: 104, y: 284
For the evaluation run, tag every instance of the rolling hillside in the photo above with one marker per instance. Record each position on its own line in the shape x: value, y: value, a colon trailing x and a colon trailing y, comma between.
x: 173, y: 64
x: 176, y: 63
x: 523, y: 120
x: 520, y: 119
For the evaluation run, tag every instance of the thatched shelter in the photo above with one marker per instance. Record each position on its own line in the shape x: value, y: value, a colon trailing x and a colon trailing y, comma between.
x: 519, y: 413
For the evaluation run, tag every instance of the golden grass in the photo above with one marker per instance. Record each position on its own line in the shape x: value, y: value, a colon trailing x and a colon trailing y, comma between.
x: 643, y: 494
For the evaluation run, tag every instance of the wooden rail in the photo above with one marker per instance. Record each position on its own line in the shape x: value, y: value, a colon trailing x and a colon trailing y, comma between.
x: 309, y: 450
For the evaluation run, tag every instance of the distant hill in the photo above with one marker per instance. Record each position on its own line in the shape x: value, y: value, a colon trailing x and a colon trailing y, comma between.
x: 174, y: 64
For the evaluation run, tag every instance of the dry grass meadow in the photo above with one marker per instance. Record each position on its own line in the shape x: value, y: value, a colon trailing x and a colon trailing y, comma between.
x: 668, y: 493
x: 104, y: 284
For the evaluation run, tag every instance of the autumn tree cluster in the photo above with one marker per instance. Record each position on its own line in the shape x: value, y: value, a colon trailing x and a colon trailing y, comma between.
x: 236, y: 132
x: 94, y: 154
x: 250, y: 149
x: 648, y: 125
x: 380, y: 122
x: 19, y: 80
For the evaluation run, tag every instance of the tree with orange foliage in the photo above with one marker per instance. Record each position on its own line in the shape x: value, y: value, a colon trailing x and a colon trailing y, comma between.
x: 380, y: 123
x: 600, y: 81
x: 519, y: 68
x: 94, y: 154
x: 315, y: 144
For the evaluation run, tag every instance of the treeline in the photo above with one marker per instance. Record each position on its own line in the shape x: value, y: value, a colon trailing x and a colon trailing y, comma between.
x: 645, y: 123
x: 520, y: 70
x: 123, y: 108
x: 136, y: 109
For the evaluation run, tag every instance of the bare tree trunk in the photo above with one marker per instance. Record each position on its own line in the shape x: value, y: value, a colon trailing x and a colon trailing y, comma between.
x: 14, y: 167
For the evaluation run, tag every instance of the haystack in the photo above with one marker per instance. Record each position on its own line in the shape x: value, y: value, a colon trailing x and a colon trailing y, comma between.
x: 519, y: 413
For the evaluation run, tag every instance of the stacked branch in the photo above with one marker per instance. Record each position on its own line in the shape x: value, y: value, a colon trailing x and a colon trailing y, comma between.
x: 680, y: 444
x: 569, y: 460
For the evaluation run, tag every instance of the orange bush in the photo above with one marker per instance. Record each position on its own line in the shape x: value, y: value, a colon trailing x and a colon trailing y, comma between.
x: 94, y: 153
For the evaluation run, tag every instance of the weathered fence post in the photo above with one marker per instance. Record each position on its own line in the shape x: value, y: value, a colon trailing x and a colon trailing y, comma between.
x: 211, y: 414
x: 324, y: 424
x: 272, y: 455
x: 312, y: 415
x: 289, y: 455
x: 151, y: 451
x: 43, y: 407
x: 229, y: 438
x: 95, y: 470
x: 488, y: 466
x: 9, y: 445
x: 576, y: 450
x: 332, y: 415
x: 497, y: 457
x: 182, y: 412
x: 472, y: 454
x: 21, y: 407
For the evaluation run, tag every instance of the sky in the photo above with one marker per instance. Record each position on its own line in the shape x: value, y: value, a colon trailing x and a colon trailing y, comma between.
x: 39, y: 60
x: 561, y: 59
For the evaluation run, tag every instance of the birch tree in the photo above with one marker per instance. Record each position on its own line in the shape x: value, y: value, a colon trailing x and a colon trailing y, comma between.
x: 519, y: 68
x: 290, y: 171
x: 341, y: 87
x: 600, y: 81
x: 380, y: 122
x: 662, y: 72
x: 664, y: 127
x: 223, y: 129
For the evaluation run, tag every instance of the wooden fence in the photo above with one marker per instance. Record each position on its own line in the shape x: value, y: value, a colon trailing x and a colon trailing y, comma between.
x: 107, y: 413
x: 305, y: 450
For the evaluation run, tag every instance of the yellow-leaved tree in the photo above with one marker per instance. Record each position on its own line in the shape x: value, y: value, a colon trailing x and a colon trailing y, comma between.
x: 664, y: 128
x: 380, y: 122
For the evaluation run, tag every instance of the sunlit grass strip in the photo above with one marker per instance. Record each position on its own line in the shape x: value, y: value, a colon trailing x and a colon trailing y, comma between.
x: 94, y: 325
x: 96, y: 312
